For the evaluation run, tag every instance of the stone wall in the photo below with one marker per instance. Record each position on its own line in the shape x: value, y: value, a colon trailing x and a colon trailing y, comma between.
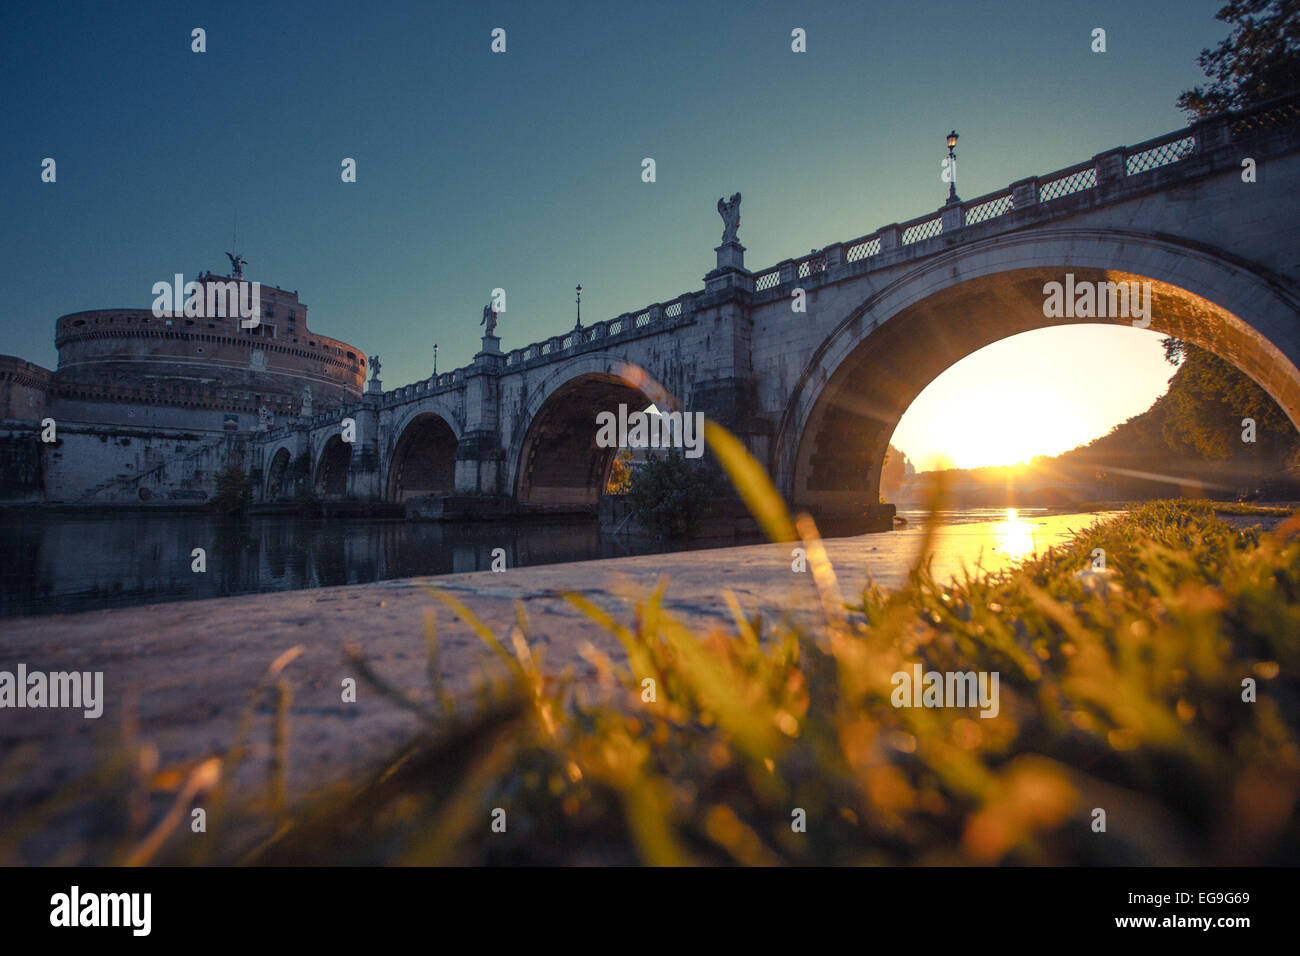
x: 100, y: 465
x: 23, y: 388
x: 22, y: 464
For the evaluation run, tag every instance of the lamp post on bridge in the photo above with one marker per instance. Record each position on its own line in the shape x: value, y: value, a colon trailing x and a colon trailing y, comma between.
x: 435, y: 359
x: 952, y: 168
x: 578, y: 326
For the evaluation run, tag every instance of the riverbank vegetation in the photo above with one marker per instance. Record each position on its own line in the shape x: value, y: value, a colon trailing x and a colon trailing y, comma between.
x: 234, y: 490
x: 670, y: 495
x: 1235, y: 508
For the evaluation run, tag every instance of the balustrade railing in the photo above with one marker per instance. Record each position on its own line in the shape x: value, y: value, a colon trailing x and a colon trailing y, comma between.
x: 927, y: 228
x: 860, y: 249
x: 1264, y: 118
x: 811, y: 265
x: 1066, y: 182
x: 982, y: 210
x: 1162, y: 154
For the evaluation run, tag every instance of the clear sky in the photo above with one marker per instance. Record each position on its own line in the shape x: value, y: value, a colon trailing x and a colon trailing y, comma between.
x: 523, y: 170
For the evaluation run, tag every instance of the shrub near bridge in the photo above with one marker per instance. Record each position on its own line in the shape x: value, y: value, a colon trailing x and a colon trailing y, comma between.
x: 670, y: 495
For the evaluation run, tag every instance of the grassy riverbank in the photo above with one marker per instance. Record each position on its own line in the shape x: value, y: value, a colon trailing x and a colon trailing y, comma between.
x: 1121, y: 690
x: 1216, y: 507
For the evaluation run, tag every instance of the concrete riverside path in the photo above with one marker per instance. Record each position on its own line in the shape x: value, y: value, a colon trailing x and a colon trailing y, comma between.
x: 182, y: 672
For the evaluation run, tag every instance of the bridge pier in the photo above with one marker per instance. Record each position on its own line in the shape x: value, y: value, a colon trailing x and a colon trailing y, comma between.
x: 480, y: 459
x: 480, y: 464
x: 365, y: 478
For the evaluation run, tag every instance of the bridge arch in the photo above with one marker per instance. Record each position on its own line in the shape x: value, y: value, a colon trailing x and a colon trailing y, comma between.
x: 276, y: 474
x: 284, y: 463
x: 832, y: 437
x: 331, y: 475
x: 423, y: 458
x: 553, y: 458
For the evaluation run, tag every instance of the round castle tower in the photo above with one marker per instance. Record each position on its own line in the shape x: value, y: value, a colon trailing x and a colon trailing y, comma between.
x: 208, y: 363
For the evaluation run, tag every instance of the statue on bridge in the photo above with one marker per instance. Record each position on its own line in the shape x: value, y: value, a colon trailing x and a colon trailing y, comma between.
x: 489, y: 319
x: 730, y: 213
x: 374, y: 366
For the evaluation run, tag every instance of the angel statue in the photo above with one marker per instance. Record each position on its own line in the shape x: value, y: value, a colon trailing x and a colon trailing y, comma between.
x: 489, y: 319
x: 237, y: 263
x: 730, y: 213
x: 374, y: 366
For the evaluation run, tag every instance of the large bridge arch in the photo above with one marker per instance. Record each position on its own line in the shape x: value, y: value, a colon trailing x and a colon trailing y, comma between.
x: 423, y: 456
x: 831, y: 440
x: 553, y: 460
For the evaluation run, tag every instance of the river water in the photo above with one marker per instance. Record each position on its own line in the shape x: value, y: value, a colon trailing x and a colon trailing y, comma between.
x: 56, y: 563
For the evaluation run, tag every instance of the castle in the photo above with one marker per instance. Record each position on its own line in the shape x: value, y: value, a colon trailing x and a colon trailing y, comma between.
x: 134, y: 392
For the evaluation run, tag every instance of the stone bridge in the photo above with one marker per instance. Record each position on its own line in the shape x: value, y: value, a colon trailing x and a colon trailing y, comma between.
x: 816, y: 394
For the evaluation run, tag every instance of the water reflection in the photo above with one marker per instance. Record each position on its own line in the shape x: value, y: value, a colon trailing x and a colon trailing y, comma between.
x: 1014, y: 536
x: 52, y: 563
x: 57, y: 563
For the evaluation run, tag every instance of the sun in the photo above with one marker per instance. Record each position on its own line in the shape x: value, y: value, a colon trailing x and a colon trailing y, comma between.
x: 1006, y: 423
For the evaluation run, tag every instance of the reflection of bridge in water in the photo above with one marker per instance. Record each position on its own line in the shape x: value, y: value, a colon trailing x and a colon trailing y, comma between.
x: 52, y: 563
x: 815, y: 396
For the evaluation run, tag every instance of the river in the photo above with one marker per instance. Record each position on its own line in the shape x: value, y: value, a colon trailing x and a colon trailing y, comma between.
x: 54, y: 563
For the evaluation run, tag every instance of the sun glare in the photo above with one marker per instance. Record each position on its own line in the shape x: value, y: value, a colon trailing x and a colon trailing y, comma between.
x: 1038, y: 393
x: 1005, y: 423
x: 1015, y: 536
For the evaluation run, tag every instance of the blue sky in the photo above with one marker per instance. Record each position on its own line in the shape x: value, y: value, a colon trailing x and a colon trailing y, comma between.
x: 522, y: 170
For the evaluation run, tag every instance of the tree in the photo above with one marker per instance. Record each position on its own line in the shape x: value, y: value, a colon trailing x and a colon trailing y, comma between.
x: 1259, y: 60
x: 670, y: 495
x: 892, y: 473
x: 234, y: 490
x: 1208, y: 399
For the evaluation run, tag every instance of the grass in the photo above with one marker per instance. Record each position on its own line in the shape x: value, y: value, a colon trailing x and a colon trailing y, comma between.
x: 1233, y: 508
x: 1217, y: 507
x: 1121, y: 690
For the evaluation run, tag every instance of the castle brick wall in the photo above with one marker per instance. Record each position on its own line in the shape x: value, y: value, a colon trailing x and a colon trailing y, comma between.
x: 23, y: 389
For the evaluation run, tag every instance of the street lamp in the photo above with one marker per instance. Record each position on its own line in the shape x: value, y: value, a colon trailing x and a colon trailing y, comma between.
x: 435, y: 359
x: 952, y: 167
x: 578, y: 327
